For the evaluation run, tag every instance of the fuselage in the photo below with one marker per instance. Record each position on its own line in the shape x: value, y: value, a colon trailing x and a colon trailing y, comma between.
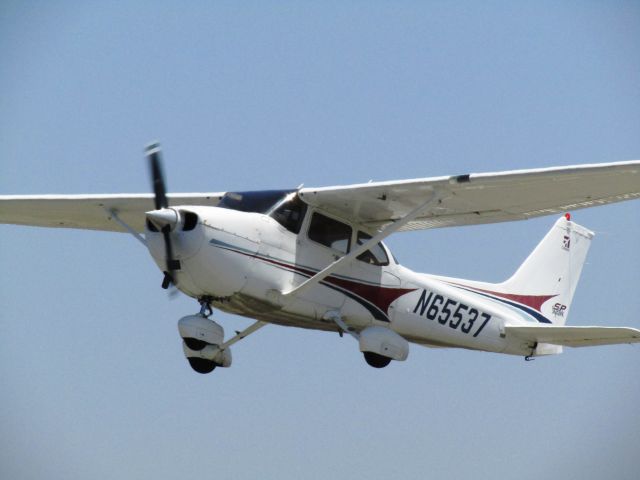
x: 244, y: 261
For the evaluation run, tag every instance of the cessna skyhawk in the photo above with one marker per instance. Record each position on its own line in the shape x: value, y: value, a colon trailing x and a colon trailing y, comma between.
x: 314, y: 258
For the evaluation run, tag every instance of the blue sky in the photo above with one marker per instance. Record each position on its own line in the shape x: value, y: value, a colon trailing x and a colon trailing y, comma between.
x: 271, y: 95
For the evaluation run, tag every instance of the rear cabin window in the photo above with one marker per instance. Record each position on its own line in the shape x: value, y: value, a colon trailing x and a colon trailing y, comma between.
x: 330, y: 232
x: 375, y: 255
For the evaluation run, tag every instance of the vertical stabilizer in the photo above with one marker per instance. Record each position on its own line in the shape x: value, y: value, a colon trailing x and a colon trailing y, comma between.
x: 553, y: 269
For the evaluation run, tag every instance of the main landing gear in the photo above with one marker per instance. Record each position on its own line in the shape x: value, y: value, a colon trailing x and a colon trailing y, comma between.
x: 203, y: 339
x: 376, y: 360
x: 379, y: 345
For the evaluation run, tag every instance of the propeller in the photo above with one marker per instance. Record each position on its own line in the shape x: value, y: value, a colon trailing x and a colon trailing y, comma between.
x: 162, y: 215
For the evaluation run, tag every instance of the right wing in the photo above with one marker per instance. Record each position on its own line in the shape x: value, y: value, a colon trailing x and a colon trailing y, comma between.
x: 575, y: 336
x: 90, y: 212
x: 479, y: 198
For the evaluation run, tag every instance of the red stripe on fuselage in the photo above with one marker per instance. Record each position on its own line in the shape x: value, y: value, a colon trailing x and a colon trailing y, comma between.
x: 533, y: 301
x: 379, y: 296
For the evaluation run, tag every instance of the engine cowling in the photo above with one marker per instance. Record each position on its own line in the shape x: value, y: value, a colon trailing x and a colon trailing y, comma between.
x: 201, y: 340
x: 380, y: 345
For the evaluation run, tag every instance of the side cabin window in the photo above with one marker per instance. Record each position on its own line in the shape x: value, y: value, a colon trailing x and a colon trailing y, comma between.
x: 291, y: 214
x: 375, y: 255
x: 330, y: 232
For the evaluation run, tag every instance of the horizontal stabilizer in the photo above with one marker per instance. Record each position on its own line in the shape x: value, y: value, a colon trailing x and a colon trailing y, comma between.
x: 575, y: 336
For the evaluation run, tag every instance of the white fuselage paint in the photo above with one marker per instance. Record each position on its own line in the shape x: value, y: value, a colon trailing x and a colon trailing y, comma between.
x: 246, y: 260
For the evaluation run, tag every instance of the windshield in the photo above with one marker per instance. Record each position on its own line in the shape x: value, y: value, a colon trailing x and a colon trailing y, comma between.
x: 290, y: 213
x: 258, y: 202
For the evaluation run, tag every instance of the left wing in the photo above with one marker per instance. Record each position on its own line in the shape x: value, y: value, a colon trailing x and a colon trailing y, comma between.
x: 575, y: 336
x: 90, y: 212
x: 480, y: 197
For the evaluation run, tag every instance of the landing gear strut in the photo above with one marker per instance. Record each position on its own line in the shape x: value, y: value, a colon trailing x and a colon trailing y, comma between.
x: 205, y: 306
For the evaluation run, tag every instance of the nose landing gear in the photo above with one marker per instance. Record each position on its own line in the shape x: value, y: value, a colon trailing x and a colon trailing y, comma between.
x: 203, y: 339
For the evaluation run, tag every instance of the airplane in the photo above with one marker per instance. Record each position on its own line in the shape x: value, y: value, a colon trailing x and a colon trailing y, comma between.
x: 314, y: 258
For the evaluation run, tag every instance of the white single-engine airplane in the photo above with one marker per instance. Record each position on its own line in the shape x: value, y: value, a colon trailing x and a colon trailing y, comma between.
x: 313, y: 258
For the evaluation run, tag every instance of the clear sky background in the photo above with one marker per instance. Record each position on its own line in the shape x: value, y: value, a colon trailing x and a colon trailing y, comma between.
x: 253, y: 95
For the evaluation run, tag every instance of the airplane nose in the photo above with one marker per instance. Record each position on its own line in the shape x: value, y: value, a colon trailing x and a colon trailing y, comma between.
x: 185, y: 232
x: 164, y: 217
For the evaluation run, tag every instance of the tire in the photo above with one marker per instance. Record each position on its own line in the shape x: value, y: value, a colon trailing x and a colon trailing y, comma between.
x: 202, y: 365
x: 376, y: 360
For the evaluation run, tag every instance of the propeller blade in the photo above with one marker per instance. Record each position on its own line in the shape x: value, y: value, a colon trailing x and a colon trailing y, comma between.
x: 161, y: 216
x: 157, y: 177
x: 172, y: 263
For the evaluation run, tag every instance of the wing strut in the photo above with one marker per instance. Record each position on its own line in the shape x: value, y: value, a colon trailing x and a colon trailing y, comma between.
x: 394, y: 227
x: 114, y: 215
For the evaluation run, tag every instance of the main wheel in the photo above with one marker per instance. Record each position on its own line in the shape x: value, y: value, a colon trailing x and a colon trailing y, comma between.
x: 376, y: 360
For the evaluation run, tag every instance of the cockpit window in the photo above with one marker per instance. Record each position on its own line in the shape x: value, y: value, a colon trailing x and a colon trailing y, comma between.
x: 290, y: 214
x: 375, y: 255
x: 330, y: 232
x: 258, y: 202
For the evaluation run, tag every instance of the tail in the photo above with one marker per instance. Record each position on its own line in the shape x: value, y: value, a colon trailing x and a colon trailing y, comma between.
x: 547, y: 279
x: 544, y: 285
x: 555, y: 266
